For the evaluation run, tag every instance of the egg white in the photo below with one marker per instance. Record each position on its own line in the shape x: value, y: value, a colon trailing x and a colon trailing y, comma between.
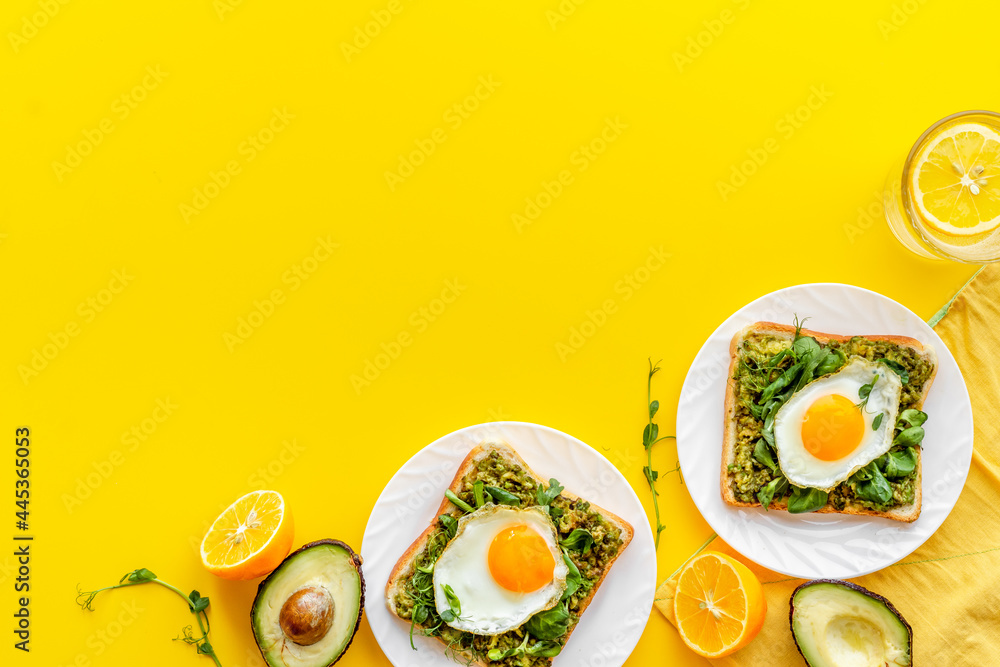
x: 487, y: 607
x: 803, y: 469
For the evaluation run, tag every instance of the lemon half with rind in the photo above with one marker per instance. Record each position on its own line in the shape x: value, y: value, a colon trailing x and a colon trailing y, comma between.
x: 250, y: 538
x: 956, y: 180
x: 719, y: 605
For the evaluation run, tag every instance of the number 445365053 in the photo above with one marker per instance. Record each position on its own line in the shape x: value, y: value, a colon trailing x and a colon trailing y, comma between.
x: 22, y: 487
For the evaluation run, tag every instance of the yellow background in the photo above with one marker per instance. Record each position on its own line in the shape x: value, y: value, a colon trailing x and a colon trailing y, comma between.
x: 885, y: 70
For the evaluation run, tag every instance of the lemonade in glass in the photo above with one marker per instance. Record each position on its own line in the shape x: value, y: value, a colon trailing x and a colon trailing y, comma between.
x: 943, y: 202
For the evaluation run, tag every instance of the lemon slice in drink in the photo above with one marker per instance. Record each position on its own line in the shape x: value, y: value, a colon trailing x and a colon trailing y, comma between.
x: 956, y: 180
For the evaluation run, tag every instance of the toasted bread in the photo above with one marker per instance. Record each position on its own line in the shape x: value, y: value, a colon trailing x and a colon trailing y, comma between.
x: 404, y: 567
x: 906, y: 513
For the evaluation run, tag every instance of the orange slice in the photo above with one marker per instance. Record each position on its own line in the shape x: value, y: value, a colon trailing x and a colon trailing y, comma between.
x: 956, y: 180
x: 719, y: 605
x: 250, y: 538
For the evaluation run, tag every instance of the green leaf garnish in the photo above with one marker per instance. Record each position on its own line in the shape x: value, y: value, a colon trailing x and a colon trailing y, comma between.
x: 454, y: 610
x: 899, y: 463
x: 764, y: 454
x: 776, y: 488
x: 551, y: 624
x: 865, y: 392
x: 910, y: 437
x: 898, y: 369
x: 579, y: 540
x: 869, y: 484
x: 912, y: 417
x: 140, y: 576
x: 806, y: 500
x: 450, y: 524
x: 196, y: 604
x: 650, y: 436
x: 833, y: 360
x: 503, y: 497
x: 544, y: 649
x: 458, y: 502
x: 573, y: 578
x: 547, y: 495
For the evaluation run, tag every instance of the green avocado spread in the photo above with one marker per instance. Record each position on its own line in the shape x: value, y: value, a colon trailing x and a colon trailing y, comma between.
x: 762, y: 360
x: 414, y: 601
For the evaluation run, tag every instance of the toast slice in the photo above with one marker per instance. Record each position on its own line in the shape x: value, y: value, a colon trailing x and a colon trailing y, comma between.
x: 784, y: 335
x: 396, y: 586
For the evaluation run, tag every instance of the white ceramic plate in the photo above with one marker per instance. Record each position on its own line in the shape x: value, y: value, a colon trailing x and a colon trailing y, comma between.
x: 814, y: 546
x: 613, y: 623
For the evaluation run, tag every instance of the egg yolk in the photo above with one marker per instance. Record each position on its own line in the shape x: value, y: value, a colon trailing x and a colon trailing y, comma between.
x: 832, y: 427
x: 520, y: 560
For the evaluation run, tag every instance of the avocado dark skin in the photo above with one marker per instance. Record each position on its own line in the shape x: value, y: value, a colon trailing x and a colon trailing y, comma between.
x: 860, y: 589
x: 355, y: 559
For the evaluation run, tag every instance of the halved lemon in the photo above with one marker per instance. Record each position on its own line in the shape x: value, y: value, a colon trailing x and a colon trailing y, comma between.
x: 719, y: 605
x: 956, y: 180
x: 250, y: 538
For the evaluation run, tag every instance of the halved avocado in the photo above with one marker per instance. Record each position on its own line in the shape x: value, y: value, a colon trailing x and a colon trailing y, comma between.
x: 839, y: 624
x: 307, y: 611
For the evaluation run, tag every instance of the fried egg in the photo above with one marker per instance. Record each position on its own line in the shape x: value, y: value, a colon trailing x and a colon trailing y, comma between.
x: 823, y: 436
x: 504, y: 566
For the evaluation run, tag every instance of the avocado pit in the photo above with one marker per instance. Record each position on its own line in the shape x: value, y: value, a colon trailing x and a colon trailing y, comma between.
x: 307, y: 615
x: 308, y: 610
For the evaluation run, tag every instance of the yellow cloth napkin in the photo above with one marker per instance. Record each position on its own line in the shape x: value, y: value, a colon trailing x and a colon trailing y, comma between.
x: 949, y: 588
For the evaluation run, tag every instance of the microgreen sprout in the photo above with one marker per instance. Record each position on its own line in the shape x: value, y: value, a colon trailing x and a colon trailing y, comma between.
x: 865, y: 392
x: 197, y: 604
x: 649, y: 438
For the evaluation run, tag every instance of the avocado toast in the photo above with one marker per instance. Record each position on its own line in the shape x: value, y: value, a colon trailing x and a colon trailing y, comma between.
x: 761, y: 354
x: 411, y: 597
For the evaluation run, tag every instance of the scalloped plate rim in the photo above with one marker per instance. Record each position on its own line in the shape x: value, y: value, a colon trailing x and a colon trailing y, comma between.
x: 876, y: 542
x: 636, y: 583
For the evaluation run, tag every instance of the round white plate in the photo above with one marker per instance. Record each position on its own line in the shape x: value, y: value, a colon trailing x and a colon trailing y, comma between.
x: 814, y: 546
x: 612, y: 624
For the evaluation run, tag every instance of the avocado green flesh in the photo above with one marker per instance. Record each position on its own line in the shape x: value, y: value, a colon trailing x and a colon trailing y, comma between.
x: 323, y: 565
x: 837, y: 626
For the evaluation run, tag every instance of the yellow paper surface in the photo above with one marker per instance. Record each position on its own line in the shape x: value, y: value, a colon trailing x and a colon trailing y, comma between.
x: 186, y: 358
x: 946, y: 589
